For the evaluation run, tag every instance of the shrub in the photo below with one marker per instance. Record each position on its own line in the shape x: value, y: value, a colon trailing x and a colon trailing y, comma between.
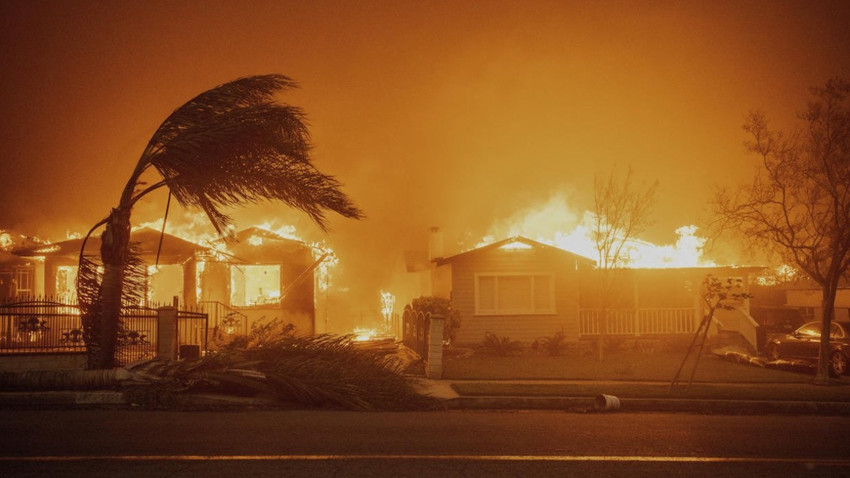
x: 553, y: 345
x: 500, y: 346
x: 440, y: 306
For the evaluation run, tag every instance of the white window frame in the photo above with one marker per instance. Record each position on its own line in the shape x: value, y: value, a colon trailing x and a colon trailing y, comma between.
x: 530, y: 311
x: 25, y: 280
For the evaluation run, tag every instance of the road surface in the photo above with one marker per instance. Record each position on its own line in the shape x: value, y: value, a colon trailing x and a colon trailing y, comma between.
x: 440, y: 444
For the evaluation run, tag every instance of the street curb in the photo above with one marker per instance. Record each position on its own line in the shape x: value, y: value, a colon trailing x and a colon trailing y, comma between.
x: 747, y: 407
x: 68, y: 398
x: 117, y: 399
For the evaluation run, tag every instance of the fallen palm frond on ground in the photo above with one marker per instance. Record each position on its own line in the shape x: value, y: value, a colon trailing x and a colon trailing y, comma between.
x: 322, y: 371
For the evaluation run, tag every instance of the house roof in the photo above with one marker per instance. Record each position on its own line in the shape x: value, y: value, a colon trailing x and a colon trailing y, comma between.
x: 258, y: 245
x: 9, y: 258
x: 147, y: 240
x: 514, y: 240
x: 258, y: 232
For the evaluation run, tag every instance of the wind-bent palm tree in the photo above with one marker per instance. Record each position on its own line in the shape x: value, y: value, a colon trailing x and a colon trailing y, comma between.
x: 230, y: 145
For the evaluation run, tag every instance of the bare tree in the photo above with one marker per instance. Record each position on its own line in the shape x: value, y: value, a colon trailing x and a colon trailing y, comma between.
x: 621, y: 213
x: 229, y: 145
x: 798, y: 204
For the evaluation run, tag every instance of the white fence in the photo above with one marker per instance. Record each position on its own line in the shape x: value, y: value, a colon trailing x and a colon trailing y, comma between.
x: 639, y: 322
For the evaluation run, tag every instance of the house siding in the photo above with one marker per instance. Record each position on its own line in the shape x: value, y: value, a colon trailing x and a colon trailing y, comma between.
x: 523, y: 327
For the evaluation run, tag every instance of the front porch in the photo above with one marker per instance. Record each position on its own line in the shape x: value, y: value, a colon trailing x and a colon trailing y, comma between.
x: 637, y: 322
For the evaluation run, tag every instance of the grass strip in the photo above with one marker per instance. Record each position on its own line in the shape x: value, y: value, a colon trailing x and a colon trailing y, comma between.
x: 753, y: 391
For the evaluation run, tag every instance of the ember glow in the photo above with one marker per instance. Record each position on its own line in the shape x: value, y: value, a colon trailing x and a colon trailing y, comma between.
x: 5, y: 241
x: 387, y: 306
x: 361, y: 334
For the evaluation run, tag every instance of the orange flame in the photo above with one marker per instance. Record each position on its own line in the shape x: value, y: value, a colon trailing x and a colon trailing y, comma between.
x: 555, y: 224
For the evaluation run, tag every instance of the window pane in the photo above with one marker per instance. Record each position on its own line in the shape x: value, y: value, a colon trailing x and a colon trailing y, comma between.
x: 486, y: 293
x: 542, y: 293
x: 515, y: 293
x: 812, y: 330
x: 24, y: 279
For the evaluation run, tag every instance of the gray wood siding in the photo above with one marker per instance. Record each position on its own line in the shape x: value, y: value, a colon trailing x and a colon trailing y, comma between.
x: 525, y: 328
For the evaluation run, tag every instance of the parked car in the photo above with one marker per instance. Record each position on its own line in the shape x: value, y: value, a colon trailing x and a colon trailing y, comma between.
x: 804, y: 343
x: 777, y: 320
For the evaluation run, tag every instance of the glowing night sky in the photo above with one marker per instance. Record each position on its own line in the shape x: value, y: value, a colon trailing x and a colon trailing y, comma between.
x: 450, y: 113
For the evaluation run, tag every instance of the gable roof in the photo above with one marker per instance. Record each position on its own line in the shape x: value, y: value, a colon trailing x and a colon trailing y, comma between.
x: 512, y: 240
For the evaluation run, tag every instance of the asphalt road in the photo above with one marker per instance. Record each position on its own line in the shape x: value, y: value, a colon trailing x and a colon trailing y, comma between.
x: 325, y: 443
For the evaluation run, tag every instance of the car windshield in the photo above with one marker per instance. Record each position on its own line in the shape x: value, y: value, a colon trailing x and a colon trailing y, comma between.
x: 811, y: 329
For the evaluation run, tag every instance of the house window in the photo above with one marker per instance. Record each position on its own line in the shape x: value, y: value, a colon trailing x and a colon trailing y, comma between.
x: 24, y: 280
x: 66, y: 284
x: 497, y: 294
x: 254, y: 284
x: 164, y: 282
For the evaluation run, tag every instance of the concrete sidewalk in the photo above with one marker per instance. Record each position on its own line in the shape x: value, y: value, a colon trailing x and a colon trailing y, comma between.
x: 444, y: 391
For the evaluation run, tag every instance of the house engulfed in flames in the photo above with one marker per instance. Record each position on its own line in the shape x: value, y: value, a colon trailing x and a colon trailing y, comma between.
x: 262, y: 276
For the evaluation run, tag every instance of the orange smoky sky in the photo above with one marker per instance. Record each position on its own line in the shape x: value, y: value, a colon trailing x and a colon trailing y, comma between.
x: 447, y: 113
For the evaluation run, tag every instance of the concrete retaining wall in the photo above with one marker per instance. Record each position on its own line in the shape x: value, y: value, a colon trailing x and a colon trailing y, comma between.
x: 43, y: 361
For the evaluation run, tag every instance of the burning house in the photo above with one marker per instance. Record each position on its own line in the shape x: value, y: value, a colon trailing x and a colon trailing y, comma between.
x: 526, y: 290
x: 18, y: 275
x: 261, y: 276
x: 54, y: 266
x: 516, y: 287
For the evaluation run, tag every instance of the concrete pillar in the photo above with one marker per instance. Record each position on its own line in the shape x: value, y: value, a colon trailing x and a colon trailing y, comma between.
x: 166, y: 334
x: 190, y: 284
x: 434, y: 367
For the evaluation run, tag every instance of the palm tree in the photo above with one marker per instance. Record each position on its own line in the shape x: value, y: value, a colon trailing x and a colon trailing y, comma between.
x: 230, y: 145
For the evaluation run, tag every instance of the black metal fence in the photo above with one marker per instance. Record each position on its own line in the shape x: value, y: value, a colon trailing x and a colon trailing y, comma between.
x: 224, y: 319
x: 39, y: 326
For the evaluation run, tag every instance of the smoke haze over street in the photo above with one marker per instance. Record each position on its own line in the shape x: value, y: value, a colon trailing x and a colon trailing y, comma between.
x: 460, y: 115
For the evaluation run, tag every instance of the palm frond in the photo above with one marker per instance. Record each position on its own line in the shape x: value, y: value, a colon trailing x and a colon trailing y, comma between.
x: 233, y: 144
x: 235, y: 94
x: 323, y: 371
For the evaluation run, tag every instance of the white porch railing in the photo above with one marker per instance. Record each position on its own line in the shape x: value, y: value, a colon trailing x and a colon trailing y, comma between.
x: 738, y: 320
x: 639, y: 321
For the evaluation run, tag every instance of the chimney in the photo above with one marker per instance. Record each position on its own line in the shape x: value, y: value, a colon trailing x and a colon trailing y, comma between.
x: 435, y: 244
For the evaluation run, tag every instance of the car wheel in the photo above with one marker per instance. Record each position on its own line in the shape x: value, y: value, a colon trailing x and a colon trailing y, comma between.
x: 838, y: 363
x: 772, y: 352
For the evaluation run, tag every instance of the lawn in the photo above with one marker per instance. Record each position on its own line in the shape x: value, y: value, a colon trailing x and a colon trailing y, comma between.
x: 632, y: 375
x: 620, y: 366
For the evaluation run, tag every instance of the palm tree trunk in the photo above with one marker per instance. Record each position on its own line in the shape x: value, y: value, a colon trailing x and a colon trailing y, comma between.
x: 113, y: 250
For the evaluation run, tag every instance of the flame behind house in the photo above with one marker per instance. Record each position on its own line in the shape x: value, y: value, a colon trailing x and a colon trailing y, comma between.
x: 554, y: 223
